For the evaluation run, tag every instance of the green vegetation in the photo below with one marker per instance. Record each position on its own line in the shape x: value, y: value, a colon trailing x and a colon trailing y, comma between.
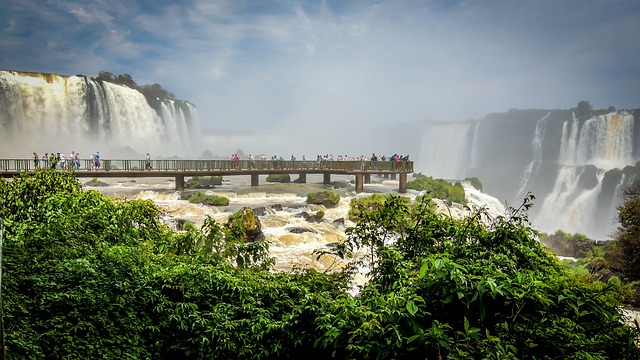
x: 88, y: 277
x: 279, y: 178
x: 327, y: 198
x: 565, y: 244
x: 203, y: 182
x: 154, y: 91
x: 475, y: 182
x: 438, y: 188
x: 367, y: 203
x: 625, y: 252
x: 95, y: 182
x: 199, y: 197
x: 319, y: 214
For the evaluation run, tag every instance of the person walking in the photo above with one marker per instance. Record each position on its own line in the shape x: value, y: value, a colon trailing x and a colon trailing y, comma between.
x: 147, y: 162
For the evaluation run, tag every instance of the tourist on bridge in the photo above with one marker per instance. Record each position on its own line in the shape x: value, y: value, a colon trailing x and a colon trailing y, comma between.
x: 36, y: 161
x: 147, y: 162
x: 95, y: 160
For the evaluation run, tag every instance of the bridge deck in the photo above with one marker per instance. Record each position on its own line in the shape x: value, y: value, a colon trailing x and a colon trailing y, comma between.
x: 179, y: 169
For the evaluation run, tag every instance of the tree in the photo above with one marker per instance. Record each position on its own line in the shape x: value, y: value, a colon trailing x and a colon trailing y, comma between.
x: 127, y: 80
x: 626, y: 251
x: 584, y: 109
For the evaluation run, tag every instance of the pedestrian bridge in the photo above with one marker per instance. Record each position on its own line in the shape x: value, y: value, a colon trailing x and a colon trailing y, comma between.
x: 180, y: 169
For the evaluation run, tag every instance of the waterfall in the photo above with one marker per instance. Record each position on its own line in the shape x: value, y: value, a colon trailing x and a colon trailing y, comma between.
x: 48, y: 112
x: 569, y: 141
x: 570, y: 207
x: 531, y: 170
x: 561, y: 158
x: 605, y: 141
x: 444, y: 151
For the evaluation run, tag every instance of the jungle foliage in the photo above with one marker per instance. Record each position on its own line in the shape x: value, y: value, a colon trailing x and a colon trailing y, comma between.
x: 367, y: 203
x: 200, y: 197
x: 203, y: 182
x: 85, y: 276
x: 438, y: 188
x: 155, y: 91
x: 325, y: 197
x: 625, y: 254
x: 279, y: 178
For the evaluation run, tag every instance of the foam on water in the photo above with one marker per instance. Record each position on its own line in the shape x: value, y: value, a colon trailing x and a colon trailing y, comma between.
x: 293, y: 240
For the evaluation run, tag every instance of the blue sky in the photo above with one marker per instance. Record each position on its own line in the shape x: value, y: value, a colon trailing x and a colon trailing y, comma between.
x: 310, y: 70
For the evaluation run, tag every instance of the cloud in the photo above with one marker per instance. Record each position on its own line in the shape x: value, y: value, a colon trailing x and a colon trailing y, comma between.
x: 291, y: 69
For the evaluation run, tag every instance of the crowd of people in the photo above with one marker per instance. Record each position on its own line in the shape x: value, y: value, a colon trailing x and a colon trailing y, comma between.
x: 322, y: 161
x: 73, y: 162
x: 58, y: 160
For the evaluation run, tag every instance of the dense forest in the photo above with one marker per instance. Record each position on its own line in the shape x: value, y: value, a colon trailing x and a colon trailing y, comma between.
x: 85, y: 276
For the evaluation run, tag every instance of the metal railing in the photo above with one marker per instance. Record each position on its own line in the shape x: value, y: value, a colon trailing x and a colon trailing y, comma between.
x: 14, y: 165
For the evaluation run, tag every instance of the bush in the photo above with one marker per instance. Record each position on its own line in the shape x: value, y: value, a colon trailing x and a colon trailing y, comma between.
x: 203, y: 182
x: 440, y: 189
x: 199, y: 197
x: 475, y: 182
x: 88, y: 277
x: 624, y: 253
x: 279, y: 178
x: 370, y: 203
x: 327, y: 198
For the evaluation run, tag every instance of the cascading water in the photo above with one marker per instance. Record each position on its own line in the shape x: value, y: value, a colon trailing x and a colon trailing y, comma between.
x: 446, y: 159
x: 605, y: 141
x: 531, y: 170
x: 44, y: 112
x: 576, y: 167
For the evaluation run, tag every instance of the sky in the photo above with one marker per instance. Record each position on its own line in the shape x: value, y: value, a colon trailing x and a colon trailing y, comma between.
x: 316, y: 75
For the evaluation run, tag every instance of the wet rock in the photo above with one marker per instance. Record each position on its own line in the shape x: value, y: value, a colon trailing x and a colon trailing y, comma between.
x: 326, y: 198
x: 246, y: 219
x: 96, y: 182
x: 277, y: 207
x: 301, y: 230
x: 260, y: 211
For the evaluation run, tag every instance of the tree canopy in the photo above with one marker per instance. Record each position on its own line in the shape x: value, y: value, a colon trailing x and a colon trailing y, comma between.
x: 85, y: 276
x: 155, y: 91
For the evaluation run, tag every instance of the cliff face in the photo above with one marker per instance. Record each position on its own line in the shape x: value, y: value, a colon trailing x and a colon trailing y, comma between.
x: 576, y: 166
x: 45, y: 112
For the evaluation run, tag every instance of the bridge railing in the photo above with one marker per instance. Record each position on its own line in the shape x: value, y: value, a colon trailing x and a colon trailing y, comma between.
x: 210, y: 165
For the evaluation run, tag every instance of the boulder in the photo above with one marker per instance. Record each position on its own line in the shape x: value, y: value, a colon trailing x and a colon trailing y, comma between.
x: 326, y: 198
x: 300, y: 230
x: 245, y: 221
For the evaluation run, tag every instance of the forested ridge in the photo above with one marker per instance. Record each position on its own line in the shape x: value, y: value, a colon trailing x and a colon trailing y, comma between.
x: 85, y: 276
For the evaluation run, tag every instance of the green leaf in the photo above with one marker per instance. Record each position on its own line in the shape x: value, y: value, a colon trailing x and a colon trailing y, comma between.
x: 412, y: 308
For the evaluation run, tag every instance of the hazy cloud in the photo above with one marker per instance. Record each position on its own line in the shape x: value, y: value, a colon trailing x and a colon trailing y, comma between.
x: 308, y: 74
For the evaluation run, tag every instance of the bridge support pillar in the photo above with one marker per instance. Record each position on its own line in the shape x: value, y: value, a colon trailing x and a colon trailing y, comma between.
x: 393, y: 176
x: 179, y: 183
x: 302, y: 178
x: 359, y: 183
x: 255, y: 180
x: 327, y: 178
x: 367, y: 178
x: 402, y: 187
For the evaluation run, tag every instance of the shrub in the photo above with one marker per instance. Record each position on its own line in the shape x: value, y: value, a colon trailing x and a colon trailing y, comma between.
x: 279, y: 178
x: 327, y: 198
x: 199, y: 197
x: 368, y: 203
x: 203, y: 182
x: 475, y: 182
x: 626, y: 248
x: 440, y: 189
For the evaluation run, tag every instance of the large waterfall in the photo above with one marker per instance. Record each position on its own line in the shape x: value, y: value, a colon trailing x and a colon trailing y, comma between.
x: 576, y: 167
x: 46, y: 112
